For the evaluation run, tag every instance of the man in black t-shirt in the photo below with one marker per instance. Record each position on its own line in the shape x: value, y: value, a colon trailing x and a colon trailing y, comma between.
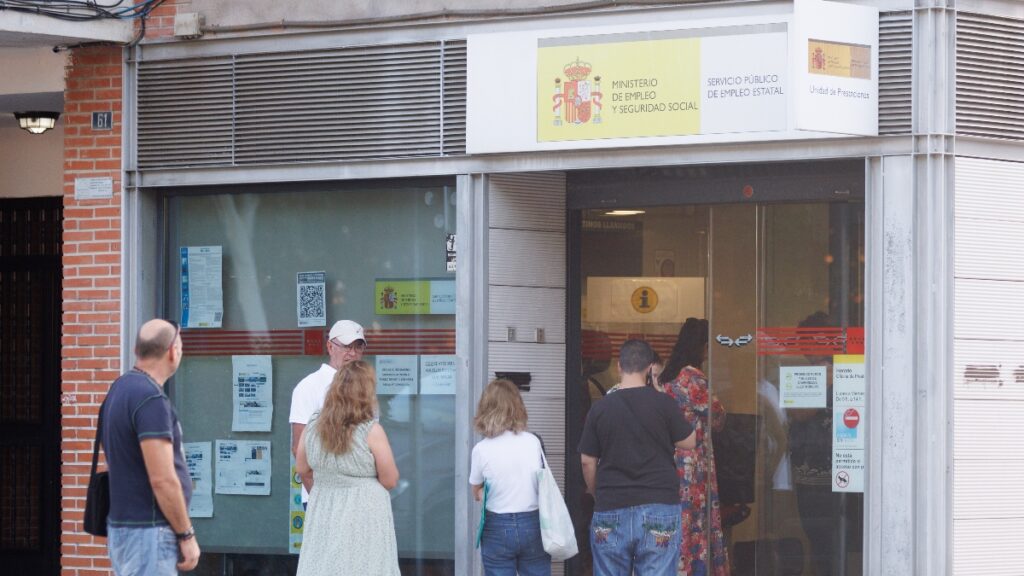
x: 148, y: 529
x: 628, y: 455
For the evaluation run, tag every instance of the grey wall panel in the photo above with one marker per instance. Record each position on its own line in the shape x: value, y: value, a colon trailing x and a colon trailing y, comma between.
x: 987, y: 430
x: 983, y: 479
x: 989, y: 546
x: 526, y: 291
x: 526, y: 309
x: 527, y: 258
x: 546, y: 418
x: 989, y: 309
x: 988, y: 370
x: 545, y: 362
x: 989, y: 190
x: 528, y: 201
x: 989, y: 249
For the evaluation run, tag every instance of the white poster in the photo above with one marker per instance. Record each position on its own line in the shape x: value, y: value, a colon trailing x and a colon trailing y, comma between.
x: 198, y: 459
x: 847, y: 470
x: 437, y: 374
x: 311, y: 298
x: 803, y: 387
x: 848, y: 381
x: 252, y: 387
x: 849, y: 403
x: 202, y: 294
x: 396, y: 374
x: 243, y: 467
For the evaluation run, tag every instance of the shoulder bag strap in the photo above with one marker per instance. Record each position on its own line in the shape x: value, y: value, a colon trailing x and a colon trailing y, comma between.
x: 99, y: 435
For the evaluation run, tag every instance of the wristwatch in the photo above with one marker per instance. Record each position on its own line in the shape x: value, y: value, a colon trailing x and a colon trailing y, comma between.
x: 187, y: 534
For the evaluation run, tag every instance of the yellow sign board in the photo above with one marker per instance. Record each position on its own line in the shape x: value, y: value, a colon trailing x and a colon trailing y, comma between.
x: 839, y: 59
x: 415, y: 296
x: 626, y: 88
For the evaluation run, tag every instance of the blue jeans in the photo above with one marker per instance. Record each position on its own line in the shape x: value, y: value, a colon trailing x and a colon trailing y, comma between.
x: 511, y: 543
x: 642, y: 540
x: 146, y: 551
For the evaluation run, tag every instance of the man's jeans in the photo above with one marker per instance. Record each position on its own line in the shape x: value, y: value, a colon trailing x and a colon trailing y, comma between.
x: 147, y: 551
x: 511, y: 543
x: 642, y: 540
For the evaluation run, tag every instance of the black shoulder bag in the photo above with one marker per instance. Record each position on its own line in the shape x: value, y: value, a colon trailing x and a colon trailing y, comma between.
x: 97, y: 499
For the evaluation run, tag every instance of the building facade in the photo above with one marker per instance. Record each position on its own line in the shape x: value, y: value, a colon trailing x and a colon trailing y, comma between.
x: 496, y: 191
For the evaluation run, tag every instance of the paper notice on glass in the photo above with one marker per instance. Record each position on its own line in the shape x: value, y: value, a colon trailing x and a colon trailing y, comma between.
x: 848, y: 380
x: 243, y: 467
x: 202, y: 295
x: 803, y: 387
x: 296, y: 513
x: 198, y: 457
x: 396, y: 374
x: 848, y: 470
x: 311, y: 298
x: 437, y: 374
x: 253, y: 390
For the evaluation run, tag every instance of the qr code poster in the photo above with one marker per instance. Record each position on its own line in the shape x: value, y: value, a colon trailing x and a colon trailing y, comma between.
x: 311, y: 298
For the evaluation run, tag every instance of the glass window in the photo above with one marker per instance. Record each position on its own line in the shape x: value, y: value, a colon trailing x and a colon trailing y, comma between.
x: 383, y: 251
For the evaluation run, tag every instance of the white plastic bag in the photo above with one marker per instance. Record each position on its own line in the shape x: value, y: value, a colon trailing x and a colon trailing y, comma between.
x: 556, y: 528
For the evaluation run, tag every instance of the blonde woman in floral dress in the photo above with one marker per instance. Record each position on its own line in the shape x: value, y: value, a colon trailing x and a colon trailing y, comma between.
x: 349, y: 525
x: 703, y: 550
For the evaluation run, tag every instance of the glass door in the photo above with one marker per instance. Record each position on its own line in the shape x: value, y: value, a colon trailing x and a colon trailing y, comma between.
x: 780, y: 287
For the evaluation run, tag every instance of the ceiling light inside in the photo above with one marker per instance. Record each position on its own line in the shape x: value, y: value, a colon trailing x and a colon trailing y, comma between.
x: 625, y: 212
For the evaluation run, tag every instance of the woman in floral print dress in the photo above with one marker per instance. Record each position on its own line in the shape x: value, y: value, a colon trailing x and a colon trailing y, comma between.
x: 703, y: 550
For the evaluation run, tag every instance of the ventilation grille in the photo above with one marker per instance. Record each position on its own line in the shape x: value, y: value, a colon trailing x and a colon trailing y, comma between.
x: 989, y: 76
x: 895, y: 60
x: 312, y: 106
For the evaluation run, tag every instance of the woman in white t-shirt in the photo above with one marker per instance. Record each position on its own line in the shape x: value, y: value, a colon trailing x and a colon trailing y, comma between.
x: 507, y: 461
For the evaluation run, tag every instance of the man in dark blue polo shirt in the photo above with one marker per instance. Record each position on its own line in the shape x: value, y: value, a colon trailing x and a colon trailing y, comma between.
x: 149, y: 531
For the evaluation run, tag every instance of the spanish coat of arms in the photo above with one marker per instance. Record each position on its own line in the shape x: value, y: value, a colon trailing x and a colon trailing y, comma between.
x: 577, y: 100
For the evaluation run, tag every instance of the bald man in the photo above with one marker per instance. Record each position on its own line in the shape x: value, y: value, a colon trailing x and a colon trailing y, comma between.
x: 148, y: 529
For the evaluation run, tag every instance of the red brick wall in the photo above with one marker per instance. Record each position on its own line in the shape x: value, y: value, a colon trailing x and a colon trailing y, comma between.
x: 90, y: 356
x: 91, y: 345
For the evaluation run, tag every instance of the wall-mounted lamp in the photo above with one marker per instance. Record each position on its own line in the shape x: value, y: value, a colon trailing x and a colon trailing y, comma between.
x: 37, y: 122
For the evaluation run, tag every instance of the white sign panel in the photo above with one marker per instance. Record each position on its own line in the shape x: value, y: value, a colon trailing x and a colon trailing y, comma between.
x: 396, y: 374
x: 645, y: 300
x: 198, y: 458
x: 252, y: 387
x: 803, y: 386
x: 202, y: 293
x: 849, y: 402
x: 94, y: 188
x: 243, y: 467
x: 437, y: 374
x: 311, y: 298
x: 847, y: 470
x: 834, y: 48
x: 675, y: 79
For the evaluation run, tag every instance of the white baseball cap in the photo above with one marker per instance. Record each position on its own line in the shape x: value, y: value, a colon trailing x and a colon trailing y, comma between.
x: 346, y: 332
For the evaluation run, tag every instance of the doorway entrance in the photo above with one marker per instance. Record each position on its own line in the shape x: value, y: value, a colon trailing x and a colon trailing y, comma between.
x: 30, y: 326
x: 768, y: 262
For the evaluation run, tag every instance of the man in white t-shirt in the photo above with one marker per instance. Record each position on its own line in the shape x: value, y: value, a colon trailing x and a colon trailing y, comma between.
x: 345, y: 343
